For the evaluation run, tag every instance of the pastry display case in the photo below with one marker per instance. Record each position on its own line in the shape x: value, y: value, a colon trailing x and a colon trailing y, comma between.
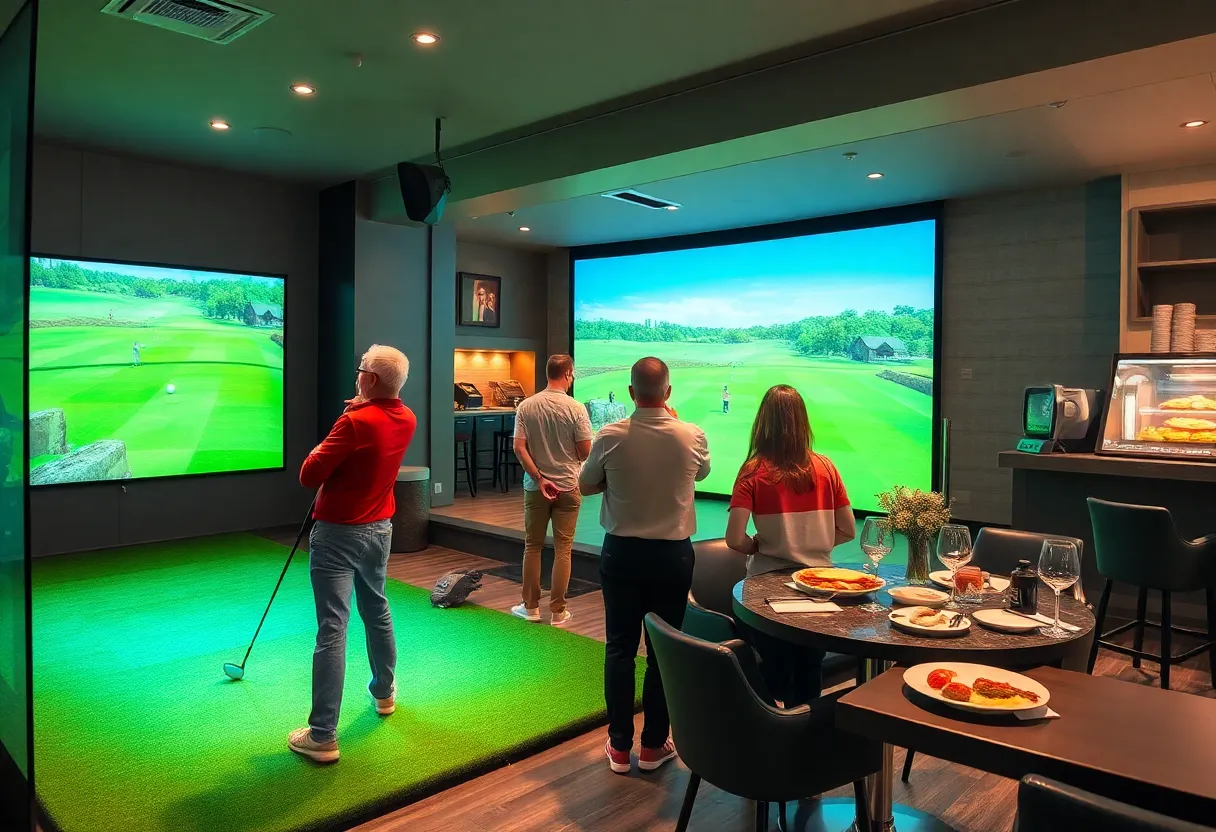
x: 1161, y: 406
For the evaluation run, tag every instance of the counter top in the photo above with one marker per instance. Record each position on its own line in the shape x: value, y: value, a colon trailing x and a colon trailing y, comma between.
x: 1111, y: 466
x: 483, y: 411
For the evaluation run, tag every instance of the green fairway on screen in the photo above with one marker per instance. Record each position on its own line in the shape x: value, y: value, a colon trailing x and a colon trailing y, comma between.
x: 146, y: 371
x: 845, y: 317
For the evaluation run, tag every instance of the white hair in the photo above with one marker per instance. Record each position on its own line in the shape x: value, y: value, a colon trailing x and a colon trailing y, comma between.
x: 389, y: 364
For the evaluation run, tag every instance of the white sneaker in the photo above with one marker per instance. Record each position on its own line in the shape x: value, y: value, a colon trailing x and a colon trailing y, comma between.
x: 301, y: 742
x: 384, y: 707
x: 520, y: 611
x: 561, y: 619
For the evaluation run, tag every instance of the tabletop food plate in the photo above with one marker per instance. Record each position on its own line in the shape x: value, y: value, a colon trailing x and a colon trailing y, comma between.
x: 942, y: 578
x: 1004, y: 621
x: 903, y: 620
x: 1000, y: 691
x: 843, y: 583
x: 920, y: 596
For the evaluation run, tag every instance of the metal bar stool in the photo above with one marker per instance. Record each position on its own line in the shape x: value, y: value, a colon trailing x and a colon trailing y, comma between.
x: 464, y: 441
x: 1139, y: 545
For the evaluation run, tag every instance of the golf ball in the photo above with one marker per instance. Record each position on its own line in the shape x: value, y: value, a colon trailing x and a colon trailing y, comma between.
x: 170, y: 389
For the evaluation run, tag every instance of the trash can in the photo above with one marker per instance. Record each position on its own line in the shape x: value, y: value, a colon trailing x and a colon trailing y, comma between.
x: 413, y: 495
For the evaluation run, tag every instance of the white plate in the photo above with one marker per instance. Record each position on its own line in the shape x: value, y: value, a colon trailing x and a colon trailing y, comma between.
x: 899, y: 621
x: 942, y: 578
x: 1005, y: 621
x: 838, y: 593
x: 918, y: 596
x: 917, y: 678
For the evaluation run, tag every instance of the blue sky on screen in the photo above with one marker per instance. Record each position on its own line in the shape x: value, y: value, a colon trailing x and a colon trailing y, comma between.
x: 763, y: 283
x: 158, y: 272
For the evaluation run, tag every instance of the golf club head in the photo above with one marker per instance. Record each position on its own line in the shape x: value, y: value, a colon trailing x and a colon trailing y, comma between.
x: 234, y: 671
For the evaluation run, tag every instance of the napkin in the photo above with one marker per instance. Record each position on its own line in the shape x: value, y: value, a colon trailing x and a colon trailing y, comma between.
x: 803, y: 606
x: 1041, y: 712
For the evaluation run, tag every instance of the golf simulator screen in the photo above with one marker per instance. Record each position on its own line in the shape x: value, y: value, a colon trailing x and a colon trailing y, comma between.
x: 145, y: 371
x: 846, y: 317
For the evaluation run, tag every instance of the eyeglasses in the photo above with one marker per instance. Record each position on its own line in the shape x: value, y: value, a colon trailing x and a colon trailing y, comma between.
x: 369, y: 372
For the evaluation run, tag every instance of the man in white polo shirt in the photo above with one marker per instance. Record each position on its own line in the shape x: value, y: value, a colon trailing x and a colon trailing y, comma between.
x: 646, y: 466
x: 552, y: 437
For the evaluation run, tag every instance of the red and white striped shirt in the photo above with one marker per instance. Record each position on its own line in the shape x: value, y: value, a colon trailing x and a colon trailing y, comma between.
x: 793, y: 527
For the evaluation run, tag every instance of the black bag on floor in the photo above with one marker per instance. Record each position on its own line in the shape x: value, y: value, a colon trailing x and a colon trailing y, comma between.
x: 453, y: 588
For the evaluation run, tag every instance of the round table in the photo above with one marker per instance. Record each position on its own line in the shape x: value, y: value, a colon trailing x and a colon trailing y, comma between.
x: 870, y: 637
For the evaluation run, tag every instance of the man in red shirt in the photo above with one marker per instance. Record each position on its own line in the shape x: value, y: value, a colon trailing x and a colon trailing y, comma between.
x: 356, y: 469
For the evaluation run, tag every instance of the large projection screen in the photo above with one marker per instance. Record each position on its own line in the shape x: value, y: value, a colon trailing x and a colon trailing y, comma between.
x: 841, y: 310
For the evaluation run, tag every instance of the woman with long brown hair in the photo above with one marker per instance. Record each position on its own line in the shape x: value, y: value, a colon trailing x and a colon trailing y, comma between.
x: 801, y: 512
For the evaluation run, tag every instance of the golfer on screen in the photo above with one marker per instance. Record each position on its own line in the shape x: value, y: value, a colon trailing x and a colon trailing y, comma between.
x: 356, y: 468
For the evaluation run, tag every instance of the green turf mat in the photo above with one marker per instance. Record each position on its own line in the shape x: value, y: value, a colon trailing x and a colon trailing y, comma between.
x: 137, y: 728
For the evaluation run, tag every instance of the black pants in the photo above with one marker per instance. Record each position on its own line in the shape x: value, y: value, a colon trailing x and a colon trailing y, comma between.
x: 793, y: 674
x: 639, y: 577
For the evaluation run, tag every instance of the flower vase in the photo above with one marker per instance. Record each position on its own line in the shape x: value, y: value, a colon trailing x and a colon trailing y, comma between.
x: 918, y: 561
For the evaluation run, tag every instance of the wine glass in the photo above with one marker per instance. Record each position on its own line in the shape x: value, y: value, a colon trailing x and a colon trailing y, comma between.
x: 876, y: 543
x: 954, y: 551
x: 1059, y: 568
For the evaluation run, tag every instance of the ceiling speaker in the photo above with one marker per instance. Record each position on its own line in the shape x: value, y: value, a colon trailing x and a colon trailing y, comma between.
x: 424, y: 190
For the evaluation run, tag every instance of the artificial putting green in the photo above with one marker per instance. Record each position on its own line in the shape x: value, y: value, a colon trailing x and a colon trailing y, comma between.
x: 136, y: 726
x: 878, y: 433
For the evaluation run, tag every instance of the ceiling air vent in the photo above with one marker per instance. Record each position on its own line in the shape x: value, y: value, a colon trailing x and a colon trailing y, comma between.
x: 218, y: 21
x: 639, y: 198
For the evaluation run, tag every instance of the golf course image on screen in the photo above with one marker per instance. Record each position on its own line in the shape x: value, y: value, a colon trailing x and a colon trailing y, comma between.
x: 146, y: 371
x: 846, y: 317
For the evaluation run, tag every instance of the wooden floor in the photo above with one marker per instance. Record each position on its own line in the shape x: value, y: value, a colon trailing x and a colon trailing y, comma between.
x: 569, y: 787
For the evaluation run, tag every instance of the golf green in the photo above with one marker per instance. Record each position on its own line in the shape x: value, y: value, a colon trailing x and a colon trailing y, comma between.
x: 877, y: 432
x: 136, y: 726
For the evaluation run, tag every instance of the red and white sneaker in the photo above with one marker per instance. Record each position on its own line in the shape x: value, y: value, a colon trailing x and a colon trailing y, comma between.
x: 618, y: 761
x: 651, y: 758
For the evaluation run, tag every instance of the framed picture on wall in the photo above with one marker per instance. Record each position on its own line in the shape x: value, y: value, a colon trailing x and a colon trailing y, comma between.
x: 479, y: 299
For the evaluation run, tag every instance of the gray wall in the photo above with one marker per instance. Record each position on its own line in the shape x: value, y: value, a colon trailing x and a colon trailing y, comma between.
x: 560, y: 291
x: 1031, y: 296
x: 94, y: 205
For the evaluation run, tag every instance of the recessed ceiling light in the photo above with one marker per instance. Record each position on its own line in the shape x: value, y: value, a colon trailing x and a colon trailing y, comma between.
x: 218, y: 124
x: 424, y: 38
x: 524, y: 228
x: 303, y: 89
x: 875, y: 175
x: 1196, y: 123
x: 673, y: 207
x: 1055, y: 105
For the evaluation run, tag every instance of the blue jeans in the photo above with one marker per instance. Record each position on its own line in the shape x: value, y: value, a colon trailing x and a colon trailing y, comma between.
x: 342, y: 559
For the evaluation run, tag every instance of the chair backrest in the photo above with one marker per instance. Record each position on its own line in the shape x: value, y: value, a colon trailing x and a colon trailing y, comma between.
x: 1140, y: 545
x: 716, y: 570
x: 1046, y: 806
x: 998, y: 551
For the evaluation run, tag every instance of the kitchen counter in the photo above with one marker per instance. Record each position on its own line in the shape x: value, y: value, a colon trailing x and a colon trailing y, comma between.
x: 488, y: 411
x: 1112, y: 466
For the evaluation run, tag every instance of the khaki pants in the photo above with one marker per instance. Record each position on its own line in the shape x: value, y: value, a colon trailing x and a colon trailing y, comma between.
x: 537, y: 513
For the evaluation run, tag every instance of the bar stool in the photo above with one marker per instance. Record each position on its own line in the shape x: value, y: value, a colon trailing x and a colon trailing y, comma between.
x: 1140, y: 545
x: 504, y: 453
x: 464, y: 443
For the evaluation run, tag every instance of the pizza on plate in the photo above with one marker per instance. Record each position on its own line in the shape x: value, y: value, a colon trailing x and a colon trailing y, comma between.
x: 836, y: 579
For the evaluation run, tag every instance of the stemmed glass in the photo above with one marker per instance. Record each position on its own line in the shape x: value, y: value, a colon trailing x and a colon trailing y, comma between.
x: 954, y: 551
x: 876, y: 543
x: 1059, y: 568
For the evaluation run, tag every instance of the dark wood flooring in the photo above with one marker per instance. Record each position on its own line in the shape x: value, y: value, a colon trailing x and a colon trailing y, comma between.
x: 569, y: 787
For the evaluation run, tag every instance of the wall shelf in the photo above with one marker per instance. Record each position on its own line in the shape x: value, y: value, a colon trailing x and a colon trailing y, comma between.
x: 1173, y: 259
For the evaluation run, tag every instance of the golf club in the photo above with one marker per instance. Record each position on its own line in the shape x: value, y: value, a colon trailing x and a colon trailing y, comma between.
x: 236, y: 672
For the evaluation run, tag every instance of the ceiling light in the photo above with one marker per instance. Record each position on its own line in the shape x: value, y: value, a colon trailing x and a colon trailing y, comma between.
x: 874, y: 175
x: 424, y: 38
x: 303, y: 89
x: 1055, y: 105
x: 673, y: 207
x: 524, y: 228
x: 217, y: 124
x: 1196, y: 123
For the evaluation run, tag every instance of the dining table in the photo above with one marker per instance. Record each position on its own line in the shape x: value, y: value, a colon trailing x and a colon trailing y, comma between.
x: 869, y: 635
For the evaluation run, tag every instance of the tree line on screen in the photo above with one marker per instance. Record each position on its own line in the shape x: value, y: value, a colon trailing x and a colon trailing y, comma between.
x: 816, y: 335
x: 217, y: 298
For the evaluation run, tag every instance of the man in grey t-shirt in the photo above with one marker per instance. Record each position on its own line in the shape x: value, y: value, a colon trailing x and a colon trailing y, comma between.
x: 552, y: 438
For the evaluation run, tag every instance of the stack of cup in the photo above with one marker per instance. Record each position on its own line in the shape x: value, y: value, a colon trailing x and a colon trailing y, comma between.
x: 1162, y: 316
x: 1205, y: 340
x: 1182, y: 331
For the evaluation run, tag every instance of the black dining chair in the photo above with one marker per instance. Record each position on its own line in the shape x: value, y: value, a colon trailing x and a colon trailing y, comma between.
x: 729, y: 736
x: 1045, y: 805
x: 716, y: 569
x: 1139, y: 545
